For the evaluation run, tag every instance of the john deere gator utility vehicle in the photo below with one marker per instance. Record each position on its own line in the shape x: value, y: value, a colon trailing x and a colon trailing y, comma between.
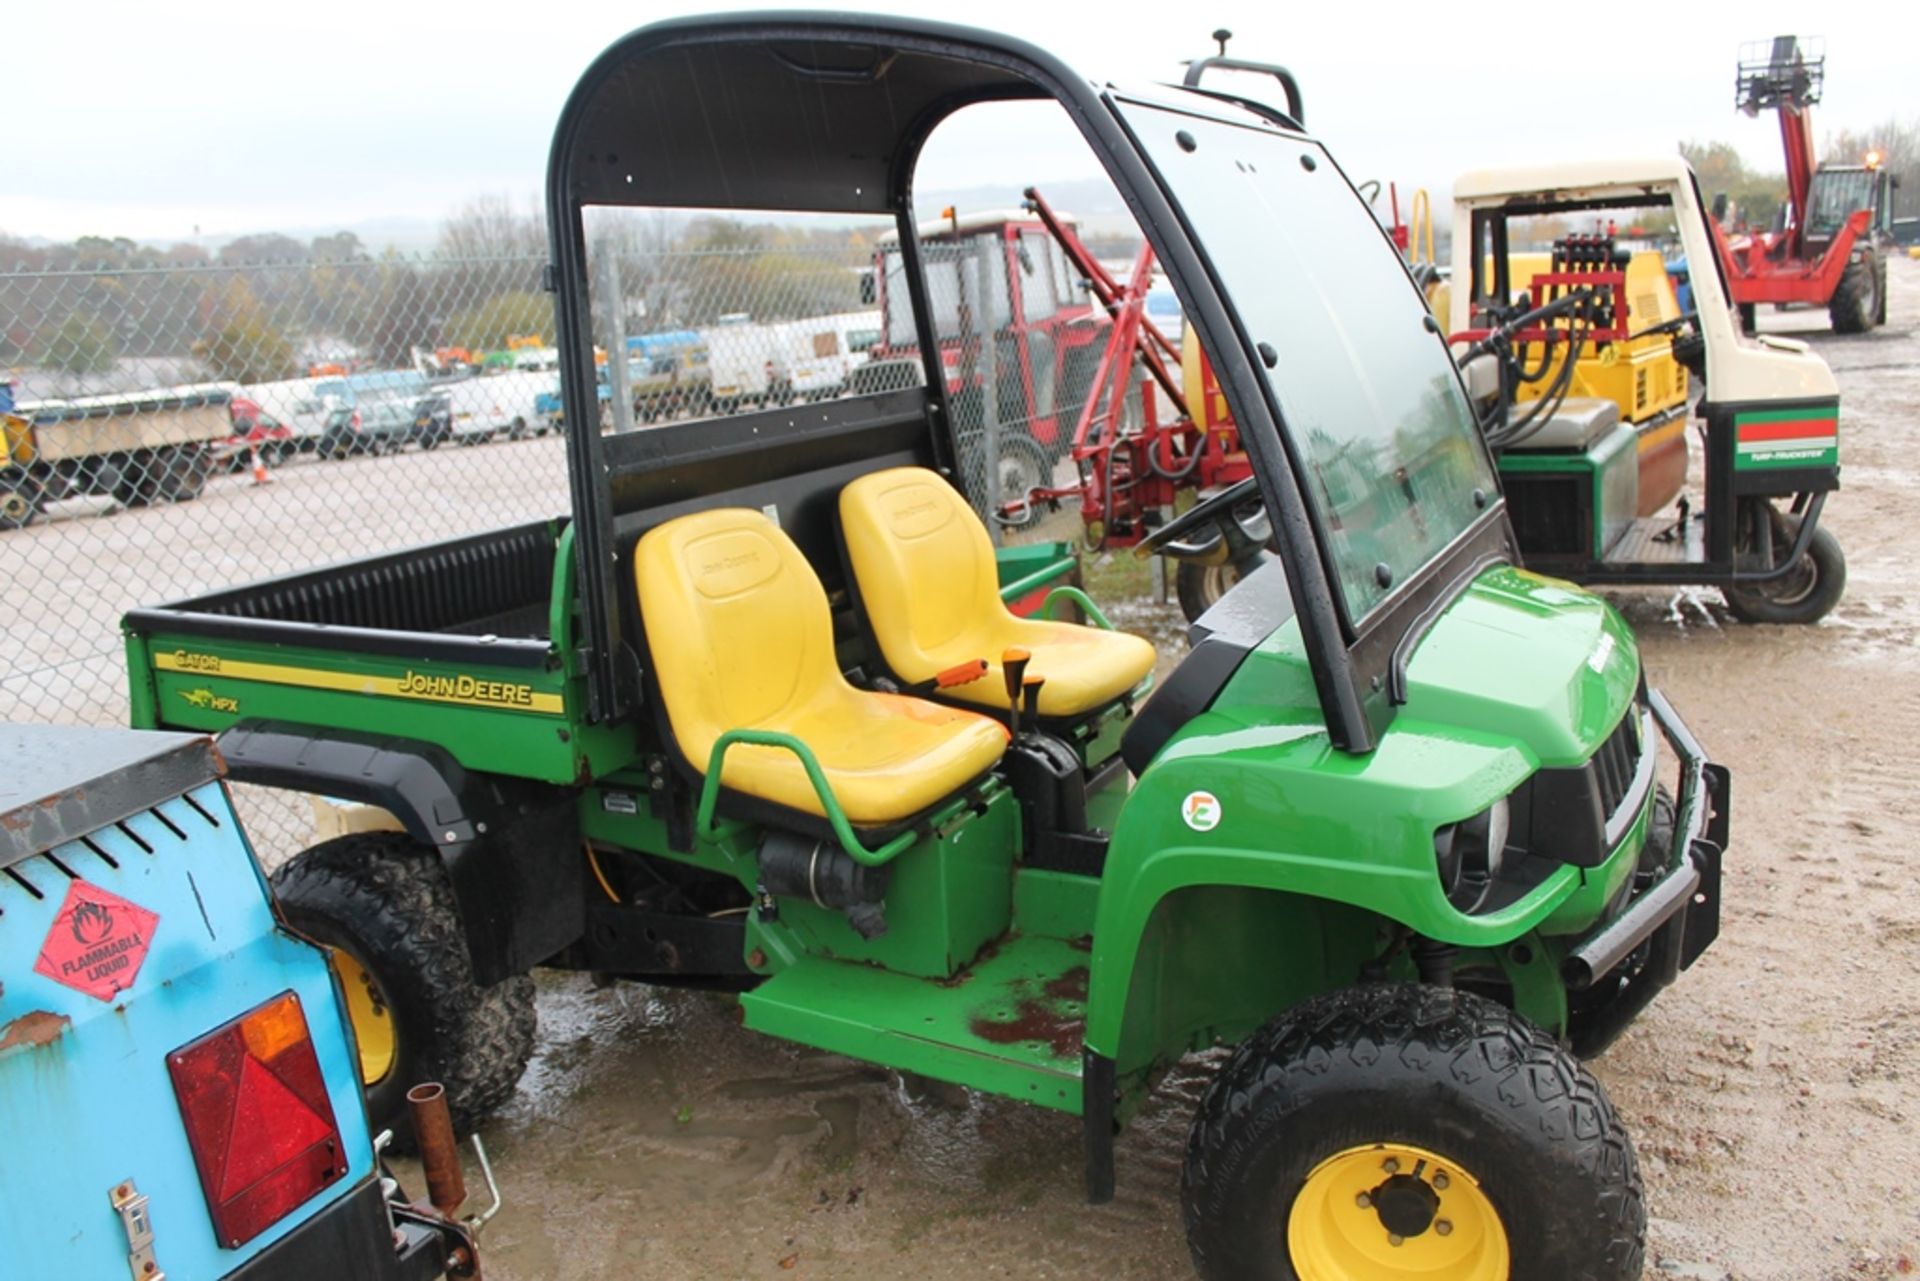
x: 754, y: 715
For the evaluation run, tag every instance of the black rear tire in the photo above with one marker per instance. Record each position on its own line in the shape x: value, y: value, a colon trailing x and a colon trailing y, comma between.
x: 183, y: 472
x: 387, y: 901
x: 1856, y: 305
x: 1807, y: 593
x: 1531, y: 1136
x: 139, y: 483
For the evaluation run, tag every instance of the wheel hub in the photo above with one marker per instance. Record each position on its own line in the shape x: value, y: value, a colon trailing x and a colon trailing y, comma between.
x: 1395, y: 1212
x: 371, y: 1017
x: 1406, y: 1204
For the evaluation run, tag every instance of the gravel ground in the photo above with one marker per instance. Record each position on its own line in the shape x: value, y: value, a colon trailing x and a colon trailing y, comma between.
x: 652, y: 1137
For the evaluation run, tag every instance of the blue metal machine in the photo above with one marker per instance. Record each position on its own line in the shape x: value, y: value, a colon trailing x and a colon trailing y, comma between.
x: 179, y: 1094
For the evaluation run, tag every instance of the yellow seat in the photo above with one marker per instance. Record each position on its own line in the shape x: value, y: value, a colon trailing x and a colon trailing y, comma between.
x: 931, y: 591
x: 742, y: 638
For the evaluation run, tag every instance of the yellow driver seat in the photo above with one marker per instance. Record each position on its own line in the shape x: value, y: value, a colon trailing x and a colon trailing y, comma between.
x: 742, y: 638
x: 931, y: 591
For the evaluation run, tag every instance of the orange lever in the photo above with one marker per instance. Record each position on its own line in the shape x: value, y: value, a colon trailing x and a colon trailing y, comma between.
x: 961, y: 674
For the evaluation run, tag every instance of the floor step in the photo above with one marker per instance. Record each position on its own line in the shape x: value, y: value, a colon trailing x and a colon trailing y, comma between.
x: 1012, y: 1023
x: 1655, y: 540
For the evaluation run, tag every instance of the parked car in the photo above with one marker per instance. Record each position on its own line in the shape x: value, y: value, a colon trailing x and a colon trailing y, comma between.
x: 432, y: 420
x: 307, y: 417
x: 371, y: 427
x: 740, y: 363
x: 548, y: 408
x: 498, y: 404
x: 813, y: 358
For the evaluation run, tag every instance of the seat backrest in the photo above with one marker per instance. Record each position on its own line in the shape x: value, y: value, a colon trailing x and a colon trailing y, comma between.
x: 922, y: 559
x: 736, y: 621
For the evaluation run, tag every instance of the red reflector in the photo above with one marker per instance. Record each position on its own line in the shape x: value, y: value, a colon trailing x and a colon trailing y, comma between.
x: 257, y: 1118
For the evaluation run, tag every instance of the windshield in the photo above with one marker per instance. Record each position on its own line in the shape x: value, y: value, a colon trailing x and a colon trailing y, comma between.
x: 1367, y: 393
x: 1836, y: 194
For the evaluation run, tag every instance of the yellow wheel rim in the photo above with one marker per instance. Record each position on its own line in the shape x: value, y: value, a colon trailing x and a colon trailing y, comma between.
x: 372, y: 1020
x: 1393, y: 1212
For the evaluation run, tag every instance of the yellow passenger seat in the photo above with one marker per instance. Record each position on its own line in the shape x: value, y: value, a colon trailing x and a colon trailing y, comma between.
x: 931, y: 591
x: 741, y: 638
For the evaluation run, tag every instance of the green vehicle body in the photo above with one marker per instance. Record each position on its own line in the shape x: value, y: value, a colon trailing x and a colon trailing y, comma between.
x: 1278, y: 845
x: 1187, y: 939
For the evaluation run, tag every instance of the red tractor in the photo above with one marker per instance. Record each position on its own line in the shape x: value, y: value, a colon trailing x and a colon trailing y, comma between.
x: 1080, y: 373
x: 1000, y: 271
x: 1828, y: 250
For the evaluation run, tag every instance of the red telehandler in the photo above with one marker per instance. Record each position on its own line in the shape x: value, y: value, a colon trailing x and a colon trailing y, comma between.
x: 1829, y: 248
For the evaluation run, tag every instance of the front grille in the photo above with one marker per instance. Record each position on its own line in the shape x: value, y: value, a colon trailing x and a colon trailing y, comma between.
x: 1564, y: 813
x: 1614, y: 764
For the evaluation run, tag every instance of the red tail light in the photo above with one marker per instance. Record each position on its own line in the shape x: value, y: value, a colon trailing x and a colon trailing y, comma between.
x: 257, y: 1118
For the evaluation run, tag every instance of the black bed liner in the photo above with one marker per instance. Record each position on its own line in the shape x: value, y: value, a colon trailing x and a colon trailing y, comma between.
x: 483, y: 597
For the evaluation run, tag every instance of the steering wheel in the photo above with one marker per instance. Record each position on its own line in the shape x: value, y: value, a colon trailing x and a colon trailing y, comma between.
x: 1230, y: 540
x: 1673, y: 326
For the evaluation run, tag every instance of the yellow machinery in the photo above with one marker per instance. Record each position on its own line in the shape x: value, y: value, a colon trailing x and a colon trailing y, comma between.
x: 1637, y: 373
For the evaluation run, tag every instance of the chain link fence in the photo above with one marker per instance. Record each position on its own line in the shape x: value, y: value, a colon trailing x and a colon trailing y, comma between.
x: 176, y: 429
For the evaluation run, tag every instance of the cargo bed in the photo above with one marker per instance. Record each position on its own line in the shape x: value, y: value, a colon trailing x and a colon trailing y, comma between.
x: 462, y: 630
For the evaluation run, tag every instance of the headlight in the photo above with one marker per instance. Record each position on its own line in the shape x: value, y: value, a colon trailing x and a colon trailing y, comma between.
x: 1468, y: 854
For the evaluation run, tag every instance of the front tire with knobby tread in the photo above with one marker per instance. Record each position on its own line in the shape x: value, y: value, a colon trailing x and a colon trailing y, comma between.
x: 1855, y: 305
x: 388, y: 902
x: 1433, y: 1068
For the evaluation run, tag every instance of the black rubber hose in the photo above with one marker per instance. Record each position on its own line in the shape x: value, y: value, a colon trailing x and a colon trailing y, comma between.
x: 1504, y: 435
x: 1556, y: 396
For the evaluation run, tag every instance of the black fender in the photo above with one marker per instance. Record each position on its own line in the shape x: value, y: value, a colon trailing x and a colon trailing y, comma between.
x: 511, y: 846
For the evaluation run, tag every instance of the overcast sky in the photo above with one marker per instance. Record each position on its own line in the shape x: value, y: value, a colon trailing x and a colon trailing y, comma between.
x: 157, y: 121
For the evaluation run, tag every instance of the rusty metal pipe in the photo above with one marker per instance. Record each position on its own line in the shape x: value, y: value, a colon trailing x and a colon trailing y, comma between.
x: 439, y: 1155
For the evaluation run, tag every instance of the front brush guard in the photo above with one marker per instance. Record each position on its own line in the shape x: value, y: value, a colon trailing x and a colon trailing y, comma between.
x: 1677, y: 916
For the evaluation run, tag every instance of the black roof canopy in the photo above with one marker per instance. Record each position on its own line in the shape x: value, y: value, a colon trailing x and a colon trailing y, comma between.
x: 794, y: 111
x: 827, y: 113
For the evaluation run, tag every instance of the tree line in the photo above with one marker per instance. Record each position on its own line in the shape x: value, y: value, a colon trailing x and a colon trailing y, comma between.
x: 266, y: 307
x: 1758, y: 194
